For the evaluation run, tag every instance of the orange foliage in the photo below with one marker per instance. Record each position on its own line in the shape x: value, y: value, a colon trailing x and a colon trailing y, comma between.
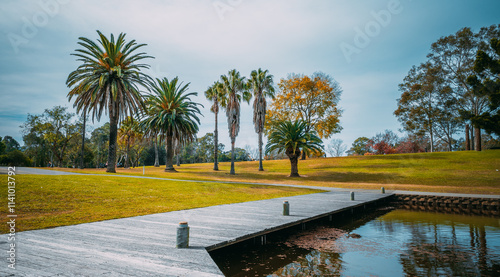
x: 312, y: 99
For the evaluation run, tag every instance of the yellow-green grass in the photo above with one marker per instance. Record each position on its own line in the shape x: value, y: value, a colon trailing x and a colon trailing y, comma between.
x: 455, y: 172
x: 44, y: 201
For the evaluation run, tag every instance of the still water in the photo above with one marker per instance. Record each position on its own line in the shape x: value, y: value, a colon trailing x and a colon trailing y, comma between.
x: 385, y: 243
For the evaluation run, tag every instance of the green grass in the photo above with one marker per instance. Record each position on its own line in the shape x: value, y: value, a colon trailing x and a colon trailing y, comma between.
x: 44, y: 201
x: 455, y: 172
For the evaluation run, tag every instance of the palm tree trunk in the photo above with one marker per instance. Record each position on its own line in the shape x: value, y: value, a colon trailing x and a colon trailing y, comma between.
x: 294, y: 160
x: 261, y: 168
x: 113, y: 135
x: 477, y: 139
x: 216, y: 145
x: 169, y: 167
x: 157, y: 159
x: 232, y: 156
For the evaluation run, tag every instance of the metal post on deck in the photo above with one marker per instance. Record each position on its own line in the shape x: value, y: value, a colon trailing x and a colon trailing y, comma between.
x: 352, y: 195
x: 286, y: 208
x: 383, y: 190
x: 182, y: 235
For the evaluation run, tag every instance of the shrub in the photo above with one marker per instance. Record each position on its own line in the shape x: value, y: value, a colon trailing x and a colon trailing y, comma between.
x: 15, y: 158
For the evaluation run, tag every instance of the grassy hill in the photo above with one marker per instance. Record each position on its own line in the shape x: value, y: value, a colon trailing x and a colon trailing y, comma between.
x: 459, y: 172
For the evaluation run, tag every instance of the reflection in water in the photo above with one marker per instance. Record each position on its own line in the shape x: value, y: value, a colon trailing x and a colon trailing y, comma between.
x: 398, y: 243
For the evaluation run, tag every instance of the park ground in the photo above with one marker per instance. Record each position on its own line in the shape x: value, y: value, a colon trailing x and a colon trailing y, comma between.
x: 44, y: 201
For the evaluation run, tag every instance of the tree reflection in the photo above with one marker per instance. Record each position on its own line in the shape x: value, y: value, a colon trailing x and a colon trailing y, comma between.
x: 316, y: 263
x: 436, y: 250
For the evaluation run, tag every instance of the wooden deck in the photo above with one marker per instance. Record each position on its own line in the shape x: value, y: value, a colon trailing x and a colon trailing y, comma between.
x: 145, y: 245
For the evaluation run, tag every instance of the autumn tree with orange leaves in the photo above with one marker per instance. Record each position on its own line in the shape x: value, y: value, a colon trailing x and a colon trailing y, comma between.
x: 313, y: 99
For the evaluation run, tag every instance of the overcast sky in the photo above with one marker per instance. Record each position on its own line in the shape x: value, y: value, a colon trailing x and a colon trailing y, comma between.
x: 366, y: 46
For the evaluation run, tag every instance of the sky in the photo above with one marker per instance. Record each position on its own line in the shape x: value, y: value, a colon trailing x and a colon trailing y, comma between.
x: 368, y: 47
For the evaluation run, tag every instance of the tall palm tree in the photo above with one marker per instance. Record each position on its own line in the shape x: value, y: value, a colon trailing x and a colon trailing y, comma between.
x: 262, y: 85
x: 216, y: 94
x: 107, y: 80
x: 234, y: 86
x: 292, y: 138
x: 171, y: 114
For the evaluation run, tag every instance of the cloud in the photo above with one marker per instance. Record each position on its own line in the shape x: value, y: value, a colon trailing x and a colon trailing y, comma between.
x: 191, y: 40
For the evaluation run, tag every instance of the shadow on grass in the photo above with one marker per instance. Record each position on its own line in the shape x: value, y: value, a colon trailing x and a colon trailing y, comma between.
x: 356, y: 177
x: 321, y: 176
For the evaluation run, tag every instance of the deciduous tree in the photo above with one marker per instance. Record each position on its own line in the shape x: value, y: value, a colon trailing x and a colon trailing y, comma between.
x: 312, y: 99
x: 456, y: 55
x: 336, y: 148
x: 486, y: 83
x: 420, y: 108
x: 360, y: 146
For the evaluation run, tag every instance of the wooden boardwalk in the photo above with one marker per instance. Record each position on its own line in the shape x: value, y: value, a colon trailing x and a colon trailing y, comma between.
x: 145, y: 245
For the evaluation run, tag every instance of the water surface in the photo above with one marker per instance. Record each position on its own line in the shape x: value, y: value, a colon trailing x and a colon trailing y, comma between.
x: 395, y: 243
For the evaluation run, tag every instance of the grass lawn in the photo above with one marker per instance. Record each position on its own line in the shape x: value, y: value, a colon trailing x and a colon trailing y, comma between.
x: 455, y: 172
x: 44, y: 201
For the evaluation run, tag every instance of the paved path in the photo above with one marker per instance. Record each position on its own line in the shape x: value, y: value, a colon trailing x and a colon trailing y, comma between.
x: 145, y: 245
x: 31, y: 170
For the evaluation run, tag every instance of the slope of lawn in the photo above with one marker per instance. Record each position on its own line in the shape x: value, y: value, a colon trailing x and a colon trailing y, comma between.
x: 456, y: 172
x: 44, y: 201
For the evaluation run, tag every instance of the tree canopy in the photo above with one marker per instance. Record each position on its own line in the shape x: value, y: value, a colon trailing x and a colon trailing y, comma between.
x: 486, y: 83
x: 312, y: 99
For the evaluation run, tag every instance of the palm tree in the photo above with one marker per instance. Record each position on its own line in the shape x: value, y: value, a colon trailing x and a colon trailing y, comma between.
x: 262, y: 84
x: 172, y: 114
x: 292, y: 138
x: 216, y: 94
x: 234, y: 86
x: 128, y: 132
x: 107, y: 80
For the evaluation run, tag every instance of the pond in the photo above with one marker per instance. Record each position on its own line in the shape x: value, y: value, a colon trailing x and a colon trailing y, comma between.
x: 383, y: 243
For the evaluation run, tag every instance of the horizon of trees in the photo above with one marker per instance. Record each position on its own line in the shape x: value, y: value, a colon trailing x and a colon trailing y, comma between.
x: 455, y: 92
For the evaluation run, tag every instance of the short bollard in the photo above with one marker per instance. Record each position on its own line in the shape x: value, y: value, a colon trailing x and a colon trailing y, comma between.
x: 182, y: 235
x: 352, y: 195
x: 383, y: 190
x: 286, y: 208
